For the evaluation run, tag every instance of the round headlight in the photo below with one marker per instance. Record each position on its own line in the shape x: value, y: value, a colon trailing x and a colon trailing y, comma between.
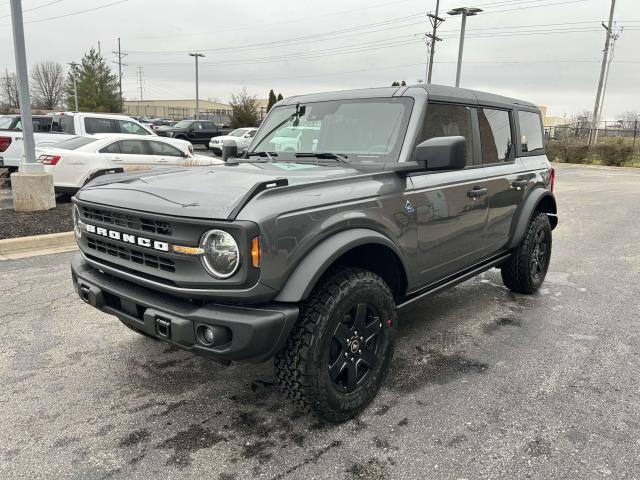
x: 76, y: 222
x: 222, y: 256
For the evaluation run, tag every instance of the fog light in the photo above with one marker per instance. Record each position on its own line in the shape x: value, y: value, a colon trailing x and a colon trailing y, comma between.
x: 208, y: 336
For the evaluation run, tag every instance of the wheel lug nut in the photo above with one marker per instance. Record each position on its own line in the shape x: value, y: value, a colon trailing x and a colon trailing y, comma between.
x: 346, y: 354
x: 351, y: 359
x: 355, y: 333
x: 361, y: 338
x: 359, y: 351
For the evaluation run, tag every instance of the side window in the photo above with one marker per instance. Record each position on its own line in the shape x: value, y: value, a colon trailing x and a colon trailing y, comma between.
x: 129, y: 127
x: 133, y: 147
x: 252, y: 133
x: 495, y: 135
x: 111, y: 148
x: 447, y: 121
x: 161, y: 148
x: 98, y: 125
x: 198, y: 126
x: 530, y: 131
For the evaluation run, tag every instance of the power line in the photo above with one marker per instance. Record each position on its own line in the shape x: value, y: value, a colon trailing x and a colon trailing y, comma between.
x: 432, y: 39
x: 35, y: 8
x: 72, y: 13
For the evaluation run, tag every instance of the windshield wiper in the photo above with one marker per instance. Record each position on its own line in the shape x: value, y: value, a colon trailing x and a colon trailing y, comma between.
x: 268, y: 155
x: 323, y: 155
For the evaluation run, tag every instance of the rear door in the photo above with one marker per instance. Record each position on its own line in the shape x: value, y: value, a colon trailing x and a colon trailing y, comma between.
x: 207, y: 132
x: 504, y: 180
x: 451, y: 207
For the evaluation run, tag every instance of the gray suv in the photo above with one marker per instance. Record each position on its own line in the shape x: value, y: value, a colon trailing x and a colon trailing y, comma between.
x: 308, y: 255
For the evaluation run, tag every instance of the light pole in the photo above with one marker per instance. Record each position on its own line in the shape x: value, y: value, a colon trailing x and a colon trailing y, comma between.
x: 465, y: 12
x: 197, y: 55
x: 73, y: 66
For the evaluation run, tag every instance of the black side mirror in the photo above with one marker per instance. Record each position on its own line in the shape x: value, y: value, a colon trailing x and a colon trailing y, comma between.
x: 229, y: 150
x: 442, y: 153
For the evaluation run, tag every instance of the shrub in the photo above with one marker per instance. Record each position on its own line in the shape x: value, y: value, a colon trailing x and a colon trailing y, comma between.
x: 576, y: 153
x: 613, y: 154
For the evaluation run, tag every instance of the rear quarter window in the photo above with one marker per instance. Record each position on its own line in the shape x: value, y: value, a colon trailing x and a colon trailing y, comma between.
x: 531, y: 140
x: 495, y: 135
x: 98, y: 125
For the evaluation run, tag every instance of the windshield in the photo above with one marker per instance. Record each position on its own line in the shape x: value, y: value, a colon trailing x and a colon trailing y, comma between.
x: 183, y: 124
x: 238, y: 132
x: 370, y: 129
x: 5, y: 122
x: 75, y: 142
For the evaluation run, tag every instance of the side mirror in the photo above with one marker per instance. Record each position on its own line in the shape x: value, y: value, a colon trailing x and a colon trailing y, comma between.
x: 442, y: 153
x: 229, y: 150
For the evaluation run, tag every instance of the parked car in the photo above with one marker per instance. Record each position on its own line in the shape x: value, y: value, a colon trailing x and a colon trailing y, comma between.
x: 295, y: 139
x: 198, y: 132
x: 78, y: 160
x: 64, y: 124
x: 307, y: 256
x: 41, y: 123
x: 242, y: 137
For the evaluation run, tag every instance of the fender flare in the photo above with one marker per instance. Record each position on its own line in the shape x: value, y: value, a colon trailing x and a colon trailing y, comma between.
x: 315, y: 264
x: 526, y: 211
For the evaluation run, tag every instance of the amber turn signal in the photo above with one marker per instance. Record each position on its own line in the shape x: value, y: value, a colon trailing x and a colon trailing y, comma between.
x: 255, y: 252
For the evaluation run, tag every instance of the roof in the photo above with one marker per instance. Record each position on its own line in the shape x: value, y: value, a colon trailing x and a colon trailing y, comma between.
x: 435, y: 92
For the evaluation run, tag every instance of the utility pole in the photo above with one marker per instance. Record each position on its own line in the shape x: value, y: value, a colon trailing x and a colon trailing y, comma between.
x: 140, y: 81
x: 197, y: 55
x: 614, y: 38
x: 31, y: 187
x: 605, y: 55
x: 120, y: 65
x: 73, y: 66
x: 432, y: 38
x: 465, y: 12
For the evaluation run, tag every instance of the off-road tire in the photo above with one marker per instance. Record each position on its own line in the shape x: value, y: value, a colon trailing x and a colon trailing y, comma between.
x: 302, y: 366
x: 517, y: 271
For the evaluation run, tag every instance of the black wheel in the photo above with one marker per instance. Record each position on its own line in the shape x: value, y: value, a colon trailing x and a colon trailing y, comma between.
x: 340, y: 349
x: 524, y: 272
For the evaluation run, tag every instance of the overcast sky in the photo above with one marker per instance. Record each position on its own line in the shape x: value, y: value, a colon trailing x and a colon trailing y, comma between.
x: 545, y: 51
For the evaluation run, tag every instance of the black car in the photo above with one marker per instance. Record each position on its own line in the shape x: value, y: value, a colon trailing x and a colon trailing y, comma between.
x: 195, y: 131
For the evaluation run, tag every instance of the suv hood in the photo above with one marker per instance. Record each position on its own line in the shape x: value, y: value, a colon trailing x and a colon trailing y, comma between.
x: 211, y: 192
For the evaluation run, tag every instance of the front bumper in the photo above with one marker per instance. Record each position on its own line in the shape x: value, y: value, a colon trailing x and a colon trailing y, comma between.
x: 254, y: 333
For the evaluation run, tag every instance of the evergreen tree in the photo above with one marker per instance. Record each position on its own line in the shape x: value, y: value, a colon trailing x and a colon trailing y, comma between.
x: 244, y: 110
x: 403, y: 83
x: 280, y: 97
x: 395, y: 84
x: 272, y: 100
x: 97, y: 85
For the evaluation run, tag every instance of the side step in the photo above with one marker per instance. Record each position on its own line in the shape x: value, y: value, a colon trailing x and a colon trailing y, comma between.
x: 449, y: 282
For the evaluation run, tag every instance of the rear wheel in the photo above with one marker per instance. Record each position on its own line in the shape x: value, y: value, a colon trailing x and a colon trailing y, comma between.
x: 527, y: 267
x: 339, y: 351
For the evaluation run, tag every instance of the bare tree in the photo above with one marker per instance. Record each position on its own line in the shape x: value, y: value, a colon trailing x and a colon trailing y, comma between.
x: 629, y: 118
x: 9, y: 90
x: 47, y: 85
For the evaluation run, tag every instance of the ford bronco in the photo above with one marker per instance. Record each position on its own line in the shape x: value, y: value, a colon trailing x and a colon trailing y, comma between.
x: 307, y: 255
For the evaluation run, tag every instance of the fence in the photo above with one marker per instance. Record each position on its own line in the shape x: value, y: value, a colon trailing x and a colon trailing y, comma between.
x: 176, y: 113
x: 607, y: 132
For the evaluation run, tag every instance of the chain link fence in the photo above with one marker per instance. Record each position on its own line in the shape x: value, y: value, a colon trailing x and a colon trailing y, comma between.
x: 622, y: 133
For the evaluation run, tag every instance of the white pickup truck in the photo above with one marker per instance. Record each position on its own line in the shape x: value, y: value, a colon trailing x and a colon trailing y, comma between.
x: 63, y: 125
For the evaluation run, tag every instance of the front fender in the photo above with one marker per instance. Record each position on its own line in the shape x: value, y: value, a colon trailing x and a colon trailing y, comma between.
x: 538, y: 196
x: 315, y: 264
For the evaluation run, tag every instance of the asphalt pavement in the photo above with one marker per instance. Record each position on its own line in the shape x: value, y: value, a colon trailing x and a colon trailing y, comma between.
x: 484, y: 384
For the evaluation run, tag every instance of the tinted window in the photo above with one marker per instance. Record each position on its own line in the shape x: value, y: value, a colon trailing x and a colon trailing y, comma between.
x: 75, y: 142
x: 133, y: 147
x: 129, y: 127
x: 62, y: 123
x: 448, y: 121
x: 112, y: 148
x: 161, y: 148
x: 495, y: 135
x: 252, y: 133
x: 530, y: 131
x: 183, y: 124
x: 5, y: 122
x: 98, y: 125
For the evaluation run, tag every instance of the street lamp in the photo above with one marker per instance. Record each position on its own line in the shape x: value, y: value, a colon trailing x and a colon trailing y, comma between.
x: 73, y: 66
x: 465, y: 12
x: 197, y: 55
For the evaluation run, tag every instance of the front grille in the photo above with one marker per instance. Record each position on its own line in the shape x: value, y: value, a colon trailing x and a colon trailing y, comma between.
x: 129, y: 221
x: 135, y: 256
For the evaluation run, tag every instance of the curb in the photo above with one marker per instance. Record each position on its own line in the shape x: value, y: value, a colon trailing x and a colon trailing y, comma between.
x: 22, y: 247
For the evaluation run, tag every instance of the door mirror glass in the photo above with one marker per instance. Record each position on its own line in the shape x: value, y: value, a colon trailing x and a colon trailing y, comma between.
x: 442, y: 153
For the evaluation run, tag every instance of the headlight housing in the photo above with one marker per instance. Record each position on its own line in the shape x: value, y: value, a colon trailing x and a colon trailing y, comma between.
x: 221, y: 256
x: 77, y: 229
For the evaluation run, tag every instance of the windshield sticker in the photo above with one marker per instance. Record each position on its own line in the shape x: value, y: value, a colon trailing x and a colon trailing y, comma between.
x: 293, y: 166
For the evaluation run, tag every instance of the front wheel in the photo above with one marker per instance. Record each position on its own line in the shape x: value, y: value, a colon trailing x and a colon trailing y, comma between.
x: 527, y: 267
x: 338, y: 354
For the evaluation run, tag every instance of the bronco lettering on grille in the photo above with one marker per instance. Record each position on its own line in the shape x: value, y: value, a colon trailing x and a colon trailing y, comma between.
x: 127, y: 238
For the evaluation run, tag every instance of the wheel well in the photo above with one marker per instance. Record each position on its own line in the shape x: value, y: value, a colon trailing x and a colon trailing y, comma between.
x: 380, y: 260
x: 548, y: 205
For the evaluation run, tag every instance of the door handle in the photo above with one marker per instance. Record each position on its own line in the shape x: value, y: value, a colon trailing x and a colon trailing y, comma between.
x: 477, y: 192
x: 519, y: 184
x: 163, y: 160
x: 116, y: 159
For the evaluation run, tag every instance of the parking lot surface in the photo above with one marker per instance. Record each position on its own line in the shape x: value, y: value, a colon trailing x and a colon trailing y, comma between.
x: 484, y: 383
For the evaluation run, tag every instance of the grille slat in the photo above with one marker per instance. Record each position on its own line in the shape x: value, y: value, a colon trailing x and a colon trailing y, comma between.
x: 132, y: 222
x: 136, y: 256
